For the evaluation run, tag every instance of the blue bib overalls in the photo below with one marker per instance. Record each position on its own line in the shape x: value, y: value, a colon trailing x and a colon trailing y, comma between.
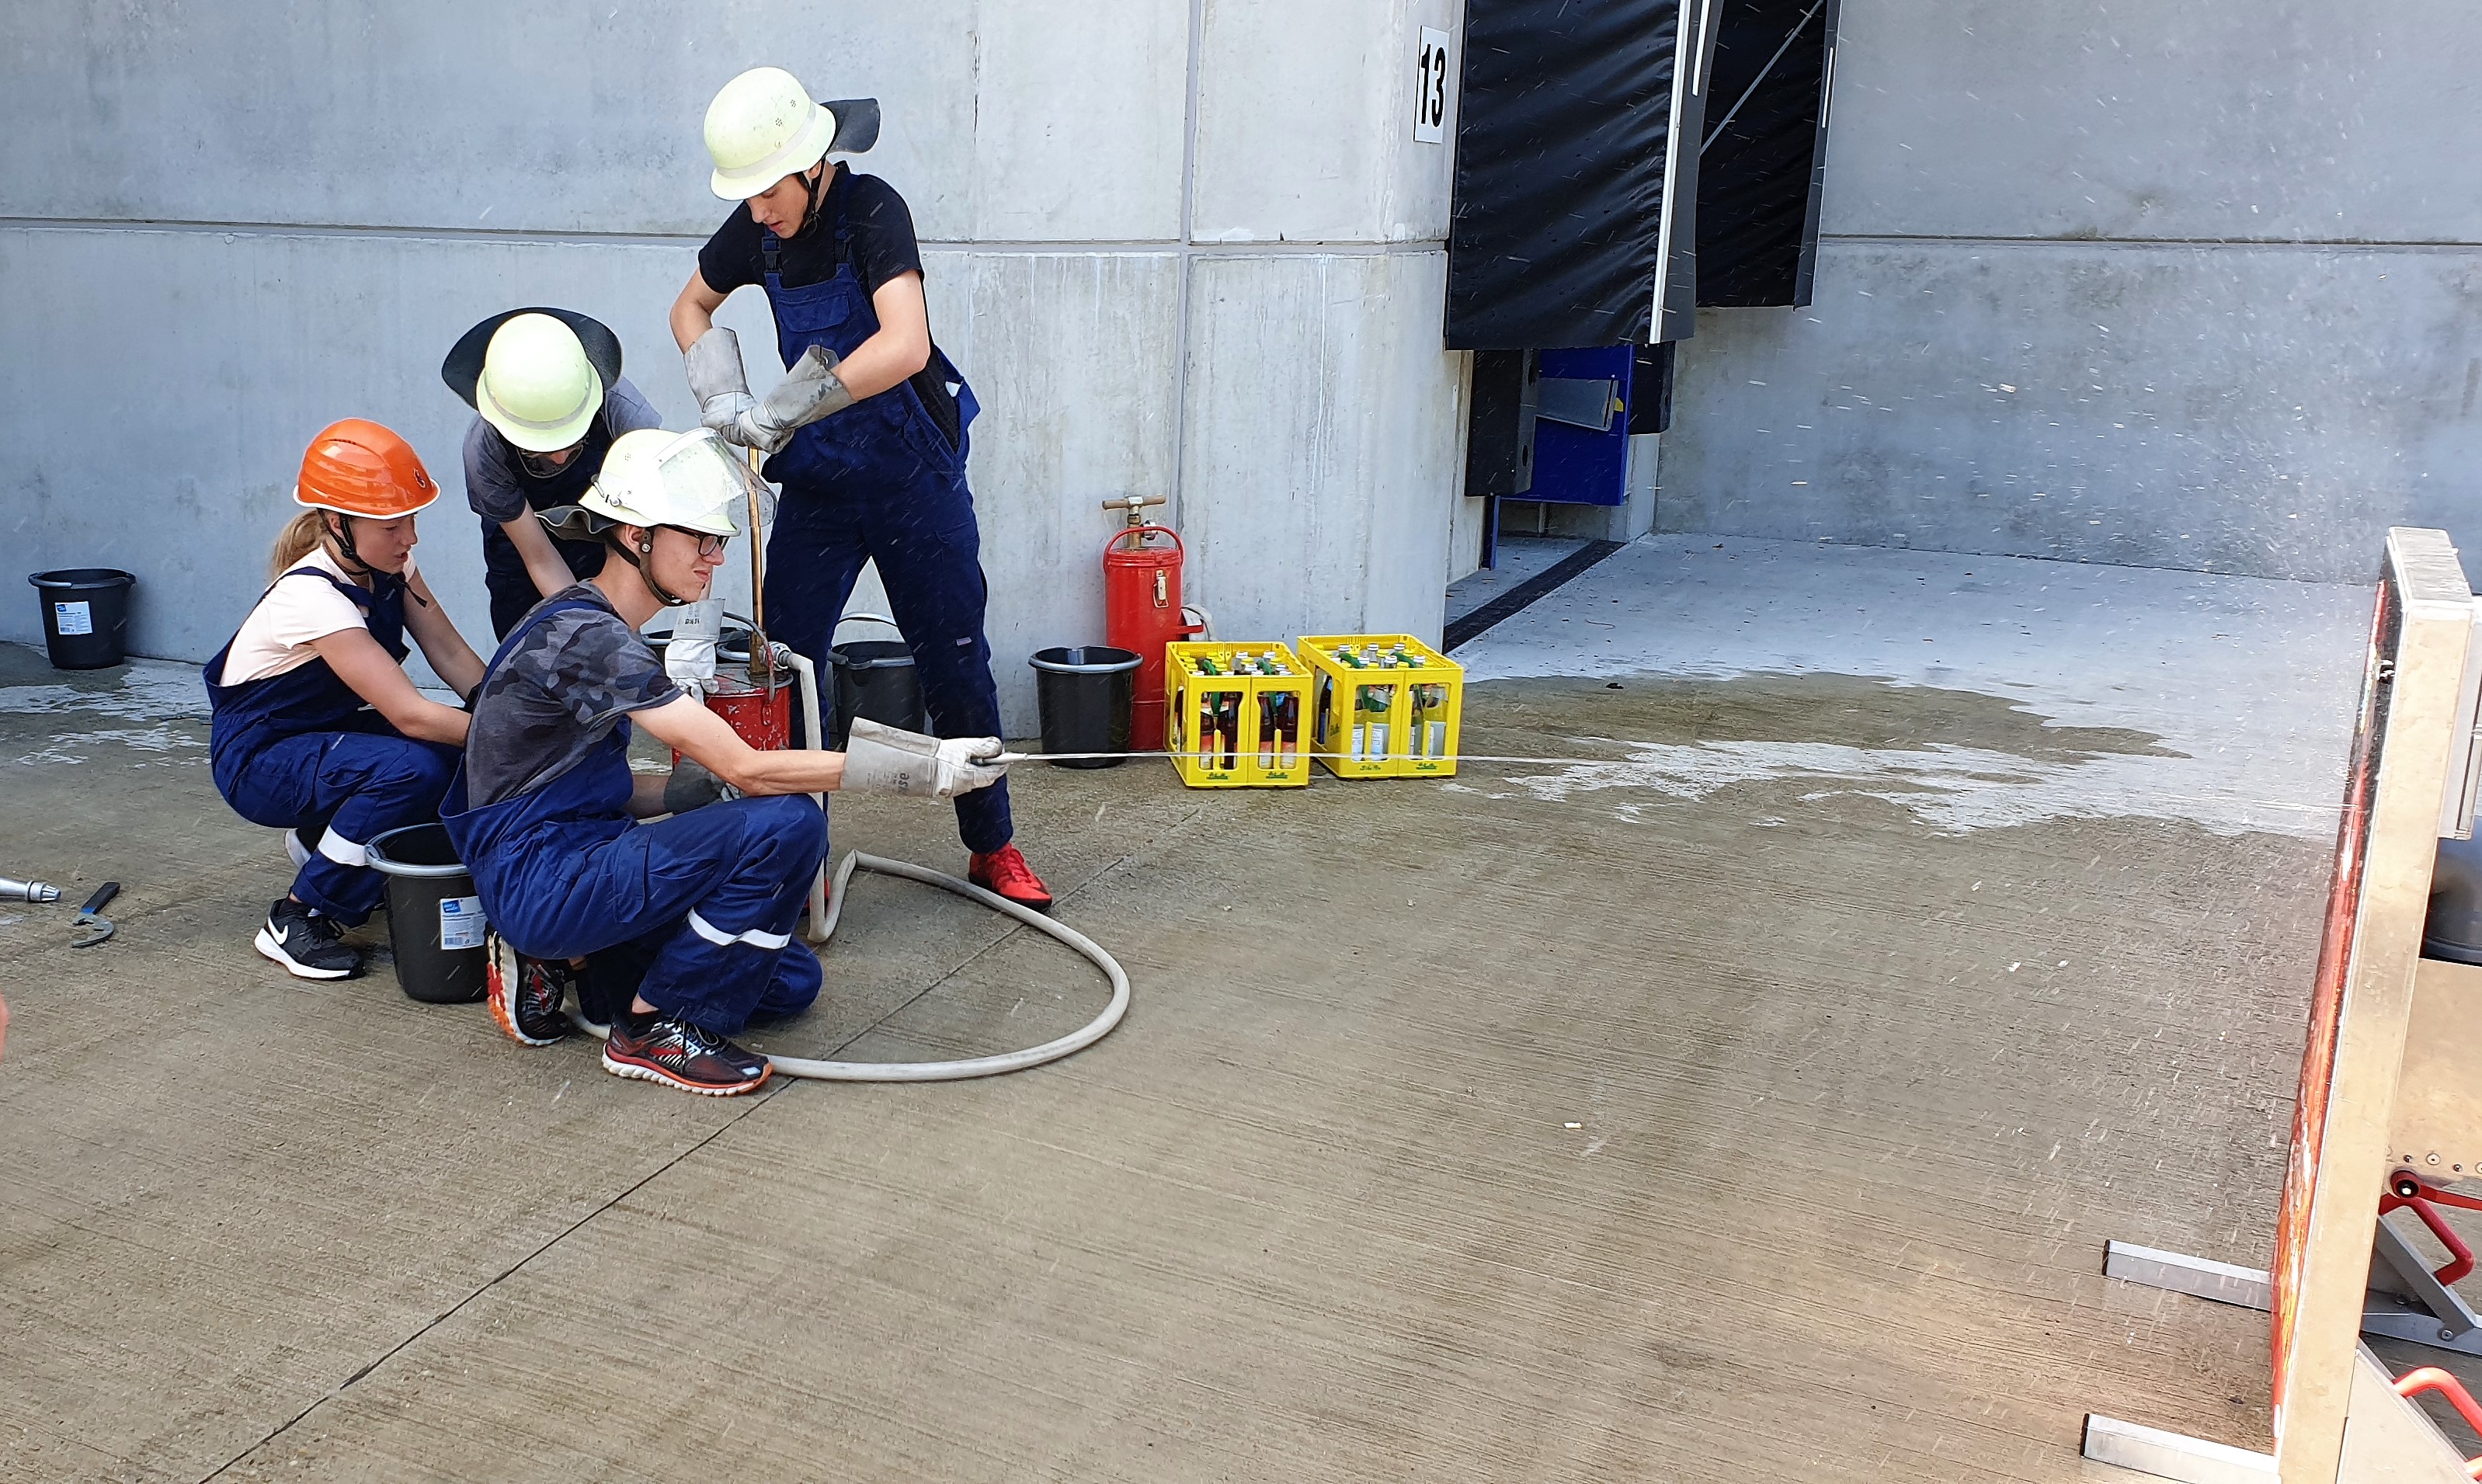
x: 706, y: 899
x: 301, y: 750
x: 881, y: 481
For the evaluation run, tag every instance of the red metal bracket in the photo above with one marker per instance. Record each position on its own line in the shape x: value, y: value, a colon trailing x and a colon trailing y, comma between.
x: 2407, y: 1191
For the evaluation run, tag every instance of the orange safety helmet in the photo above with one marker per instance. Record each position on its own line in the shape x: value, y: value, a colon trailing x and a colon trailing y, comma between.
x: 357, y: 467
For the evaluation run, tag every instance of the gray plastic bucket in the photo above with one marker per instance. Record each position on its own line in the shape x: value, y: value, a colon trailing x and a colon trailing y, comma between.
x: 435, y: 922
x: 1084, y: 693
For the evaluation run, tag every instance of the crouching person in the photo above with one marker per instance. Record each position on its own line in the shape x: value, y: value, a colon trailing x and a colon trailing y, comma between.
x: 698, y: 908
x: 318, y: 731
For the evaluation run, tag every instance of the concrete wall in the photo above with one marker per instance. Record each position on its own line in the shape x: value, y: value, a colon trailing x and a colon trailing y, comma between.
x: 1182, y: 246
x: 2188, y: 286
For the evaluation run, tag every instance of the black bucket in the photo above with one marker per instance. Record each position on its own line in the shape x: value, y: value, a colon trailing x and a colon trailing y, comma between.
x: 1084, y: 693
x: 874, y: 677
x: 86, y: 616
x: 434, y: 919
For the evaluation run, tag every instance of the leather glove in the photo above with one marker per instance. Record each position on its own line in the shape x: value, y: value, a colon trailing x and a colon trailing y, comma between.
x: 881, y: 758
x: 692, y: 787
x: 809, y: 391
x: 689, y: 658
x: 717, y: 380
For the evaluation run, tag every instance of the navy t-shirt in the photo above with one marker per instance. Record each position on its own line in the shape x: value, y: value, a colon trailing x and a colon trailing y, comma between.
x: 881, y: 234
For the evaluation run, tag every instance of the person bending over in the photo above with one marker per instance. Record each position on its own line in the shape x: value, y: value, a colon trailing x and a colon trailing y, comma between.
x: 548, y: 399
x: 697, y: 908
x: 318, y: 731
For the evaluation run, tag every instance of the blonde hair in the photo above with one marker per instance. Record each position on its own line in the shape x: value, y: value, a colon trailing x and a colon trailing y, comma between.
x: 301, y: 535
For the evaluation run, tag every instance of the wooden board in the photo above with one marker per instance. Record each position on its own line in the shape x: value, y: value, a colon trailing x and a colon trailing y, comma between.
x: 2362, y: 997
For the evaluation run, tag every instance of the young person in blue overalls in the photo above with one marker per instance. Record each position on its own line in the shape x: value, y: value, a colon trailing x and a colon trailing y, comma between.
x: 694, y: 914
x: 867, y: 435
x: 548, y: 399
x: 318, y: 731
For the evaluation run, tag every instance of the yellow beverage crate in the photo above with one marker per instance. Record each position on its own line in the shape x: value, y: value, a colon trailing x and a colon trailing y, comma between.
x: 1237, y: 715
x: 1386, y: 705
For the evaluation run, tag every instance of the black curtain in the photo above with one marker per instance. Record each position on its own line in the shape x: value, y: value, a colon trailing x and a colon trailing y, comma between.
x: 1564, y: 122
x: 1764, y: 154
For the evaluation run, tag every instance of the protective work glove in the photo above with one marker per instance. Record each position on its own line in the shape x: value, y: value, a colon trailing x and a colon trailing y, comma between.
x: 689, y: 657
x: 692, y: 787
x: 881, y: 758
x: 717, y: 380
x: 809, y: 391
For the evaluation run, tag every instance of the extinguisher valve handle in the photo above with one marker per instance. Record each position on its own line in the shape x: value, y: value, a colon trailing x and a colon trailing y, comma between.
x: 1135, y: 504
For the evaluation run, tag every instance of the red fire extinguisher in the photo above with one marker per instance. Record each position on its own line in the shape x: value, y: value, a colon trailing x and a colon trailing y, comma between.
x: 1142, y: 609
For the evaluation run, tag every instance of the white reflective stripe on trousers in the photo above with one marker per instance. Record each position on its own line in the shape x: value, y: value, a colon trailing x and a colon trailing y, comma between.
x: 724, y: 939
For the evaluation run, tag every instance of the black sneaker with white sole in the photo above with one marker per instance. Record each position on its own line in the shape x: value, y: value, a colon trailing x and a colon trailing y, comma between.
x: 309, y: 944
x: 682, y: 1055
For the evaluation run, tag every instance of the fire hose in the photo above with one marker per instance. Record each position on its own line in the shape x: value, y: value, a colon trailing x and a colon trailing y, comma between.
x: 826, y: 908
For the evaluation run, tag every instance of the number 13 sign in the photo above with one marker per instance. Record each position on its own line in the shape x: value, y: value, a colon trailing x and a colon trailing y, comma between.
x: 1431, y: 88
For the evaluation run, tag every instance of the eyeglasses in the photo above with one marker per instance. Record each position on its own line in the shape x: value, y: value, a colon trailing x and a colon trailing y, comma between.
x: 709, y: 544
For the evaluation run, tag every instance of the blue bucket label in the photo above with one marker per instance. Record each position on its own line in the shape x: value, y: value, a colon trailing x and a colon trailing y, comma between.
x: 461, y: 922
x: 72, y: 618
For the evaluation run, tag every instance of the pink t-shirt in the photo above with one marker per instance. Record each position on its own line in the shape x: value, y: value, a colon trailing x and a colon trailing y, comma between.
x: 277, y: 634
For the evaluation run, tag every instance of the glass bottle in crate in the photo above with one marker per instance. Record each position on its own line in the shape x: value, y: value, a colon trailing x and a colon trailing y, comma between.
x: 1370, y: 703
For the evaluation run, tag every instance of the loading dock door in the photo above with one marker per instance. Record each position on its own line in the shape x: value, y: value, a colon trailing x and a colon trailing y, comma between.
x: 1764, y: 154
x: 1574, y: 216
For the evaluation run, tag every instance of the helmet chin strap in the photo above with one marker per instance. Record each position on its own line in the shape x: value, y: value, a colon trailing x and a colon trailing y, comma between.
x: 351, y: 559
x: 811, y: 189
x: 643, y: 559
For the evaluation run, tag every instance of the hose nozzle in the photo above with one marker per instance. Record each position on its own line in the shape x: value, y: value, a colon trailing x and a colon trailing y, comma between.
x: 12, y: 889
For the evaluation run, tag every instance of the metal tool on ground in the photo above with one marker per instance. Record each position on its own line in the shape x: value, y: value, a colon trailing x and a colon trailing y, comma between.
x: 92, y: 926
x: 12, y: 889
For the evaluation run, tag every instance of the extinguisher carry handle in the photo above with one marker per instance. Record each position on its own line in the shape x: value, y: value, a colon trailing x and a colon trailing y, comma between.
x: 1142, y: 532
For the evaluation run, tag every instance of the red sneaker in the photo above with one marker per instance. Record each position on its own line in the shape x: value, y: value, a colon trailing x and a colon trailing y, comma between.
x: 1004, y: 871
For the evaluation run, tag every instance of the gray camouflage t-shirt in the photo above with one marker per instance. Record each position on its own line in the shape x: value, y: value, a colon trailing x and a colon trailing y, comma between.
x: 558, y: 694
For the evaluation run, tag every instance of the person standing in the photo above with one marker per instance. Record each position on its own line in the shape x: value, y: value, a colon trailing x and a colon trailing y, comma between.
x: 866, y: 436
x: 549, y: 398
x: 692, y: 915
x: 317, y: 728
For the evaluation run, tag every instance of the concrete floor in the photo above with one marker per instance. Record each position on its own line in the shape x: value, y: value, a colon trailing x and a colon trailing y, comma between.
x: 1522, y: 559
x: 1749, y: 1097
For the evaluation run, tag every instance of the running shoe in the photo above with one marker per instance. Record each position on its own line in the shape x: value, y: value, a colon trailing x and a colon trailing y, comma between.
x: 307, y: 943
x: 1004, y: 872
x: 679, y: 1054
x: 526, y: 995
